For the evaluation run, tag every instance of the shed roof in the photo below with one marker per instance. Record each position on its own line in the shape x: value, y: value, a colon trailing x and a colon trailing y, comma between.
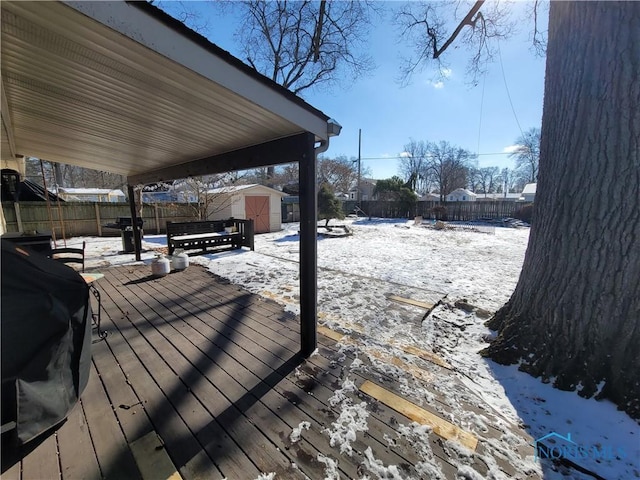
x: 125, y: 88
x: 529, y: 188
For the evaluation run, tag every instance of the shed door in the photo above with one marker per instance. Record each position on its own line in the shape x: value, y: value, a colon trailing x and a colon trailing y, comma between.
x: 257, y: 209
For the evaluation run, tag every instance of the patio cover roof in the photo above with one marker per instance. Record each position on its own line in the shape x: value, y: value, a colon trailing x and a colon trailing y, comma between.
x: 123, y: 87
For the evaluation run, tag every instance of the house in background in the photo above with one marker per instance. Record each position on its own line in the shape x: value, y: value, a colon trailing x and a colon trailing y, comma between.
x: 528, y: 192
x: 461, y: 195
x: 367, y: 187
x: 497, y: 197
x: 91, y: 195
x: 256, y: 202
x: 429, y: 197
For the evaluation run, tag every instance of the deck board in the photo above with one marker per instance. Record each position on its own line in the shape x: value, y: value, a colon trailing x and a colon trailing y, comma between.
x: 76, y: 450
x: 214, y: 374
x: 284, y: 340
x: 43, y: 461
x: 265, y: 339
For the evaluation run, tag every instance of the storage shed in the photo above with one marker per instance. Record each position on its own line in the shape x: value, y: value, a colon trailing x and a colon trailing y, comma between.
x: 256, y: 202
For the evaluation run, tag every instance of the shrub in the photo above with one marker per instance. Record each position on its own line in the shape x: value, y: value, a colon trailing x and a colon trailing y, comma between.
x: 440, y: 212
x: 525, y: 213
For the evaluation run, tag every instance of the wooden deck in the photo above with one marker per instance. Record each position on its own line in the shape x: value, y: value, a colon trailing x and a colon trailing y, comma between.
x: 199, y: 379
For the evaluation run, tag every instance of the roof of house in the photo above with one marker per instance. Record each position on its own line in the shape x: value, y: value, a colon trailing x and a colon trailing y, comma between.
x: 498, y: 196
x: 463, y: 191
x: 91, y: 191
x: 529, y: 188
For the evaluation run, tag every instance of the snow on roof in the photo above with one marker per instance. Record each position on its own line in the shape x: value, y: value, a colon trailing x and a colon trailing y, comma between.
x: 498, y: 196
x: 464, y: 191
x: 91, y: 191
x: 529, y: 188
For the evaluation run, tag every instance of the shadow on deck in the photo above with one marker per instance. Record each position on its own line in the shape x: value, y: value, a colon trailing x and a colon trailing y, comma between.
x: 200, y: 378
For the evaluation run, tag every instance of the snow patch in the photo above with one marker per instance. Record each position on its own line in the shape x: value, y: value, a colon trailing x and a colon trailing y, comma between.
x: 331, y: 471
x: 297, y: 432
x: 352, y: 418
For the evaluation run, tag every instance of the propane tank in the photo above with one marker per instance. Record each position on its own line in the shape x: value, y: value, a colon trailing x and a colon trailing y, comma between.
x: 180, y: 260
x: 160, y: 266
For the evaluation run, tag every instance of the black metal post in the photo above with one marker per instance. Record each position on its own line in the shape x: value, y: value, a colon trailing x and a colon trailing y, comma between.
x: 137, y: 241
x: 308, y: 249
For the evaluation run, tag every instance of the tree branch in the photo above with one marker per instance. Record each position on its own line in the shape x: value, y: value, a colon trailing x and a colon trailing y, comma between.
x: 467, y: 20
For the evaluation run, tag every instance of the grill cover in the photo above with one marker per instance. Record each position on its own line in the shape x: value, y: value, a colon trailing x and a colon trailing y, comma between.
x: 46, y: 340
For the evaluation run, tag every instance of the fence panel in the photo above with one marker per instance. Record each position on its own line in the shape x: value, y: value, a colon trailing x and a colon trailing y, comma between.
x: 71, y: 219
x: 449, y: 211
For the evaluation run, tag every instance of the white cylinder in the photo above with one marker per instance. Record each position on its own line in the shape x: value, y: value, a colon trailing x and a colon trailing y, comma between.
x: 160, y: 267
x: 180, y: 261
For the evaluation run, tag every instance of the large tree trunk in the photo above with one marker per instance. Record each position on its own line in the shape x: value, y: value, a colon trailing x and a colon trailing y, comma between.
x: 574, y: 317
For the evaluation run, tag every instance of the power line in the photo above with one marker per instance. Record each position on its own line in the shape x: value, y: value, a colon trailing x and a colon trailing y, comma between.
x: 504, y: 78
x: 396, y: 158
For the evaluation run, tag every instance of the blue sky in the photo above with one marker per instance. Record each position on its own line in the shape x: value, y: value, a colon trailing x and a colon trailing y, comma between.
x: 389, y: 115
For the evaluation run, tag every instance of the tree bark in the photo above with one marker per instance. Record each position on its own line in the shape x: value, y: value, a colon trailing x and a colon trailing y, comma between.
x: 574, y: 317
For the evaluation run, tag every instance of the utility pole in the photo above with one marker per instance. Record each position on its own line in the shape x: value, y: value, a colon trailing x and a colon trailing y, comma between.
x: 359, y: 158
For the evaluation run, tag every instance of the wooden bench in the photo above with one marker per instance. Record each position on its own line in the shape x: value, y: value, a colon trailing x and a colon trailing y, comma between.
x: 209, y: 233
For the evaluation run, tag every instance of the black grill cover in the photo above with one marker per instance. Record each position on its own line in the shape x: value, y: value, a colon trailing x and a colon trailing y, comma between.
x: 46, y: 340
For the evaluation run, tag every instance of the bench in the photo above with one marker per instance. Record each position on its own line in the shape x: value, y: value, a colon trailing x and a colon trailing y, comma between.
x: 233, y: 233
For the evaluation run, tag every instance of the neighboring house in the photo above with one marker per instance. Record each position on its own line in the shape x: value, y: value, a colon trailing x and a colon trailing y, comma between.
x: 367, y: 187
x: 528, y: 192
x: 497, y: 197
x: 91, y: 195
x: 257, y: 202
x: 461, y: 195
x: 342, y: 196
x: 429, y: 197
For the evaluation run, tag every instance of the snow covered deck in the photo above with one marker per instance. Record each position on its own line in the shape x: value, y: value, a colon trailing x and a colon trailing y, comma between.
x: 197, y: 376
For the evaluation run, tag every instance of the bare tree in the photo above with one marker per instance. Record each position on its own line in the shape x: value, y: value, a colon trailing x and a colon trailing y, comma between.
x: 306, y: 44
x: 447, y: 166
x: 508, y: 181
x: 574, y: 317
x: 71, y: 176
x: 431, y: 27
x: 413, y: 163
x: 487, y: 179
x: 527, y: 155
x: 338, y: 173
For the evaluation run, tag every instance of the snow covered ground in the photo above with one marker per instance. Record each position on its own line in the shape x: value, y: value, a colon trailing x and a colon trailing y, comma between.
x: 356, y: 274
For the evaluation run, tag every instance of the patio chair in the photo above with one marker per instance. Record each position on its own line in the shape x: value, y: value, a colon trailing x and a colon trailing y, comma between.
x: 70, y: 255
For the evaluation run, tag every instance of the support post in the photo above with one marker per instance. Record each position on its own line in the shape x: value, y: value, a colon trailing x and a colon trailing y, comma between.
x: 137, y: 242
x: 98, y: 219
x: 308, y: 249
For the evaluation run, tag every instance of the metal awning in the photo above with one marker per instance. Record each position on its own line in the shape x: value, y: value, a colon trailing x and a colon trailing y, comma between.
x: 123, y: 87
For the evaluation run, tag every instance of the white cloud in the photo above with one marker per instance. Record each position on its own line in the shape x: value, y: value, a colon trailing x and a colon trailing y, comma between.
x: 404, y: 155
x: 438, y: 85
x: 511, y: 148
x: 446, y: 72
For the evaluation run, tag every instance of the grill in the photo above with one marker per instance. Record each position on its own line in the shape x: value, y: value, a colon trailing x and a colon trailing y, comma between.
x: 124, y: 223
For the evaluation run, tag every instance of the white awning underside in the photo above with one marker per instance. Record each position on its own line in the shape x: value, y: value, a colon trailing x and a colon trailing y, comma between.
x: 116, y: 87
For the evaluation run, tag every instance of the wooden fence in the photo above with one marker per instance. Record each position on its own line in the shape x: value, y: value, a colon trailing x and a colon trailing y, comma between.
x: 448, y: 211
x: 72, y: 219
